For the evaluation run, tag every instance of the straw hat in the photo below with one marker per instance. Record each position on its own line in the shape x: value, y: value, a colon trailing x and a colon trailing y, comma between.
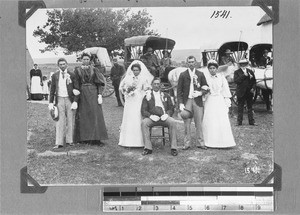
x: 187, y: 111
x: 54, y: 113
x: 243, y: 61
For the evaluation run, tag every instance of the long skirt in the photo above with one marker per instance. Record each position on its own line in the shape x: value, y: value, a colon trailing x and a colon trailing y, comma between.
x: 216, y: 126
x: 90, y: 124
x: 36, y: 90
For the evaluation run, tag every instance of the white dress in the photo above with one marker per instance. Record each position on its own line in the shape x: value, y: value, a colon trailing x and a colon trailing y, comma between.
x: 216, y: 126
x: 131, y: 128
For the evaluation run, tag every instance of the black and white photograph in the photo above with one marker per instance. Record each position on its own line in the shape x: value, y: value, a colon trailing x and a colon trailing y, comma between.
x: 149, y: 96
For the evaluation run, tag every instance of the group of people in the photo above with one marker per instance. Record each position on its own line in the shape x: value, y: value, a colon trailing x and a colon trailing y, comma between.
x: 204, y: 98
x: 39, y: 85
x: 77, y: 97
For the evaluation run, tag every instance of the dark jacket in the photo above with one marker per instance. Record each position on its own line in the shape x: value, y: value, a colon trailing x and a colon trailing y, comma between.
x: 149, y: 108
x: 70, y: 87
x: 183, y: 88
x: 244, y: 83
x: 116, y: 73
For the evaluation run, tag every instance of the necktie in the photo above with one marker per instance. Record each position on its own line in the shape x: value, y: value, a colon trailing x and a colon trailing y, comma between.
x: 63, y: 75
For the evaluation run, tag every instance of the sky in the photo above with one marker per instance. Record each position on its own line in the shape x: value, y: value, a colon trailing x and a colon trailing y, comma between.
x: 190, y: 27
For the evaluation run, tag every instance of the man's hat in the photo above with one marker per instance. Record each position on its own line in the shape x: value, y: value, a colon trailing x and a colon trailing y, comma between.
x: 54, y: 113
x: 187, y: 111
x: 243, y: 61
x: 228, y: 51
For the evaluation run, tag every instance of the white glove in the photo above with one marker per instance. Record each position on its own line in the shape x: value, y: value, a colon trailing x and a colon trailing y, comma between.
x: 227, y: 102
x: 100, y: 99
x: 181, y: 107
x: 74, y: 106
x: 154, y: 118
x: 197, y: 93
x: 50, y: 106
x: 76, y: 92
x: 164, y: 117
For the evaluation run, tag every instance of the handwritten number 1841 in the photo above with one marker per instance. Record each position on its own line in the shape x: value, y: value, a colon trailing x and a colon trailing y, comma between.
x: 220, y: 14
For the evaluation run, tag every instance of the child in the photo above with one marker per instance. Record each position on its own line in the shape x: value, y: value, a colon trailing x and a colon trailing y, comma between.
x: 45, y: 87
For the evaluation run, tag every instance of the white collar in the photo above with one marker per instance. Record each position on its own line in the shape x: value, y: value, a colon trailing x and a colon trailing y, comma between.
x: 63, y: 71
x: 192, y: 71
x: 157, y: 93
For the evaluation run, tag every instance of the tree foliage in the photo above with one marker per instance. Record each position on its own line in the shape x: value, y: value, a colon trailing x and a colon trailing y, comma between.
x: 76, y: 29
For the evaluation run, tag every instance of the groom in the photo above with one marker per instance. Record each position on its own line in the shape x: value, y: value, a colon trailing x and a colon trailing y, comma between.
x: 157, y: 109
x: 189, y: 95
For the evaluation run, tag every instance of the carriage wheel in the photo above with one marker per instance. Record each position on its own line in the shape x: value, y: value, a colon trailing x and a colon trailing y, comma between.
x: 108, y: 88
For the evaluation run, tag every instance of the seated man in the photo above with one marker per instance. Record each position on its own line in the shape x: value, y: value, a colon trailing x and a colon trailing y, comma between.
x: 151, y: 62
x: 227, y: 58
x: 265, y: 60
x: 157, y: 109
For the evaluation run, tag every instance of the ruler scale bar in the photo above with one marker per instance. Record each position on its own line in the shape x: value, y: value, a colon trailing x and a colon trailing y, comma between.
x: 155, y: 199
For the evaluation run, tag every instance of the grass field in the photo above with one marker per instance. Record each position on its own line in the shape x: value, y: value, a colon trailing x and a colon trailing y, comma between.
x: 251, y: 161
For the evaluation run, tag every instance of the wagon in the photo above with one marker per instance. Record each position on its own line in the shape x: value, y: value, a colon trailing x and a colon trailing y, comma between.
x: 239, y: 51
x: 264, y: 75
x: 136, y: 46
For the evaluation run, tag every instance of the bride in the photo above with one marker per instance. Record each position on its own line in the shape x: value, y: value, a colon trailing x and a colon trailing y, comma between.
x: 136, y: 82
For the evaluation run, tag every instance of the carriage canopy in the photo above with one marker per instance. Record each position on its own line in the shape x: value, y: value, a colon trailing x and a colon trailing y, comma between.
x: 136, y: 46
x: 256, y: 52
x: 238, y: 49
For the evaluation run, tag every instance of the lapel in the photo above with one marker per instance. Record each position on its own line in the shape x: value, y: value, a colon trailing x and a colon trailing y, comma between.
x: 187, y: 74
x: 56, y: 75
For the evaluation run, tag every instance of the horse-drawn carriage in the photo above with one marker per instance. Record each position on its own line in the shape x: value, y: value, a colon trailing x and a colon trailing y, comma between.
x: 263, y: 72
x: 136, y: 47
x: 237, y: 50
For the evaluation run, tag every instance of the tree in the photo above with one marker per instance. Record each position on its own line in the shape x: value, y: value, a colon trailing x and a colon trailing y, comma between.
x: 76, y: 29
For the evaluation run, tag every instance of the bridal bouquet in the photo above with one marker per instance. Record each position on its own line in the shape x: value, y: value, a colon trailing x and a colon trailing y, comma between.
x: 129, y: 89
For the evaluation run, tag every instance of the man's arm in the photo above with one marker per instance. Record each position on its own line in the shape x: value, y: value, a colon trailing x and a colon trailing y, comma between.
x: 52, y: 89
x: 170, y: 105
x: 144, y: 108
x: 180, y: 89
x: 239, y: 78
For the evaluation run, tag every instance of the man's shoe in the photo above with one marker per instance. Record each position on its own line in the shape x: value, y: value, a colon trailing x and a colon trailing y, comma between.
x: 174, y: 152
x: 57, y: 146
x: 253, y: 123
x: 186, y: 147
x: 202, y: 147
x: 70, y: 144
x: 147, y: 151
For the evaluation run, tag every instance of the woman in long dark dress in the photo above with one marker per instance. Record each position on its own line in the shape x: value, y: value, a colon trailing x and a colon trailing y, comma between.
x: 90, y: 124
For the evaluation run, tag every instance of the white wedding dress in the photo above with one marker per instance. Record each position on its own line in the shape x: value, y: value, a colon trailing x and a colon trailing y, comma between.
x: 216, y: 126
x: 131, y: 129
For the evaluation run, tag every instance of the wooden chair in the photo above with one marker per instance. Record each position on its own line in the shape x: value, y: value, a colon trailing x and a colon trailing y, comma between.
x: 164, y: 133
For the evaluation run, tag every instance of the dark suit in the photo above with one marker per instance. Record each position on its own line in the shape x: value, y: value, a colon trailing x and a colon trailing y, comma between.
x: 183, y: 90
x: 65, y: 123
x: 244, y: 93
x: 116, y: 73
x: 70, y: 87
x: 148, y: 109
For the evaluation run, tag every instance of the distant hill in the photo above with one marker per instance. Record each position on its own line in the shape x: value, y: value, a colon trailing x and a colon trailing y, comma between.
x: 53, y: 60
x: 177, y: 55
x: 182, y: 54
